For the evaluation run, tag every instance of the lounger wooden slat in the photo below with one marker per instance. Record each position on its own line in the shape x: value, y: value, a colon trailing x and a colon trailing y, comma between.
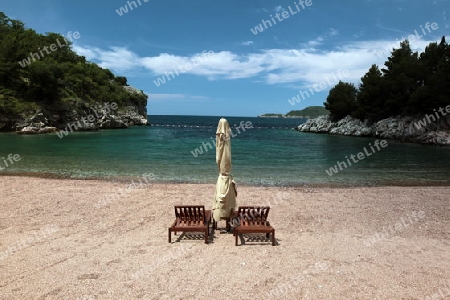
x: 253, y: 219
x: 191, y: 218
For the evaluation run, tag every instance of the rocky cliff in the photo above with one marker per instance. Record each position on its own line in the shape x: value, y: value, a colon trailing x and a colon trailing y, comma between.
x: 77, y: 115
x: 408, y: 129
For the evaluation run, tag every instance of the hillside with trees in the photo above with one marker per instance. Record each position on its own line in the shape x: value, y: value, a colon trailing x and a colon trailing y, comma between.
x: 410, y: 84
x: 56, y: 83
x: 308, y: 112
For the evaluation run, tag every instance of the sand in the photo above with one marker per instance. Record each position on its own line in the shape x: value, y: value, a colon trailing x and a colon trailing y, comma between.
x: 59, y: 241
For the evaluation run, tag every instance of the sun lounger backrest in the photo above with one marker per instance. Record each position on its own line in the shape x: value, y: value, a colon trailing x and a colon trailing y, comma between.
x: 254, y: 214
x: 193, y: 213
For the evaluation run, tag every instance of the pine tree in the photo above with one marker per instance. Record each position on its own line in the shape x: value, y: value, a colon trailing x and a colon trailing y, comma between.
x: 341, y: 100
x: 401, y: 78
x: 434, y: 89
x: 371, y: 96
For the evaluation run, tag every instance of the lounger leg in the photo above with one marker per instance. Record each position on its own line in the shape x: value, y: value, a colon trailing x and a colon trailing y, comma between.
x: 236, y: 240
x: 273, y: 238
x: 170, y: 238
x: 206, y: 234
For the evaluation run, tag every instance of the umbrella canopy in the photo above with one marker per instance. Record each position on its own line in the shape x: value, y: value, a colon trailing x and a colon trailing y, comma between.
x: 225, y: 195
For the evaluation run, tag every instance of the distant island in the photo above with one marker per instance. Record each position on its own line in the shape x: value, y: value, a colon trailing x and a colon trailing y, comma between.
x: 306, y: 113
x: 271, y: 116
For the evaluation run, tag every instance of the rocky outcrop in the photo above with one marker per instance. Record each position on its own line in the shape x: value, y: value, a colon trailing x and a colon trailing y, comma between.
x: 38, y: 128
x: 131, y: 116
x: 80, y: 116
x: 409, y: 129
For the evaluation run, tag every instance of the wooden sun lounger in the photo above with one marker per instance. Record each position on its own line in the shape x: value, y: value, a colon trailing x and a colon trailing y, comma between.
x: 191, y: 218
x: 252, y: 219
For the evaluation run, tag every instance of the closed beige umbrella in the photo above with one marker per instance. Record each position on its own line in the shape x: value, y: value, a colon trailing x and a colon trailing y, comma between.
x: 225, y: 195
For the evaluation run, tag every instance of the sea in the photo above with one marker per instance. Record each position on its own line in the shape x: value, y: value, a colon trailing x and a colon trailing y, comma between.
x: 265, y: 152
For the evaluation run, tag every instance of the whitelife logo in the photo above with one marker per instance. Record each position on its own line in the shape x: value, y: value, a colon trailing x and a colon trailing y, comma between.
x: 124, y: 10
x: 430, y: 118
x: 11, y: 158
x: 44, y: 233
x: 339, y: 76
x: 198, y: 151
x: 53, y: 47
x: 411, y: 38
x: 280, y: 16
x: 181, y: 69
x: 360, y: 155
x: 102, y: 111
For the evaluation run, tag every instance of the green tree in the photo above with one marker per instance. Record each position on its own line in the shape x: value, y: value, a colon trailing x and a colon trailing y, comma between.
x: 401, y: 78
x: 371, y: 96
x: 121, y: 80
x: 45, y: 83
x: 341, y: 100
x: 54, y: 79
x: 434, y: 82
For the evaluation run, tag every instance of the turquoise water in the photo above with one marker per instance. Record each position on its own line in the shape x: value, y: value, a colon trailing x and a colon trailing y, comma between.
x: 270, y: 153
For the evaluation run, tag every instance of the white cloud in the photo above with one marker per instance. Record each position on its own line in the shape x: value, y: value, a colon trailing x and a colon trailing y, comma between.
x: 173, y: 97
x: 321, y: 38
x: 163, y: 63
x: 247, y: 43
x: 117, y: 58
x: 304, y: 65
x: 228, y: 65
x: 333, y: 32
x: 167, y: 96
x: 314, y: 43
x: 279, y: 8
x: 389, y: 28
x: 89, y: 54
x: 359, y: 34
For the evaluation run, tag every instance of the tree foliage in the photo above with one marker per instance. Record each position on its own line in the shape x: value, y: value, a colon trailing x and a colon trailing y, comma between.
x: 55, y: 77
x: 410, y: 84
x: 371, y: 96
x: 342, y: 100
x: 400, y: 78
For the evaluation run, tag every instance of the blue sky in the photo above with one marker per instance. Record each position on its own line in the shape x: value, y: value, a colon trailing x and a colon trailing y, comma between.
x: 236, y: 72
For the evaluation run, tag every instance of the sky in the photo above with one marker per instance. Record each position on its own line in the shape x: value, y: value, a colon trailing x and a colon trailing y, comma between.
x: 235, y: 57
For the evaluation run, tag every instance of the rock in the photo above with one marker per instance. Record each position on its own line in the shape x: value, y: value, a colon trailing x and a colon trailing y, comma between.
x: 399, y: 128
x: 29, y: 130
x: 351, y: 126
x: 37, y: 130
x: 86, y: 126
x: 39, y: 118
x: 48, y: 130
x: 80, y: 116
x: 131, y: 117
x: 320, y: 124
x: 74, y: 111
x: 112, y: 122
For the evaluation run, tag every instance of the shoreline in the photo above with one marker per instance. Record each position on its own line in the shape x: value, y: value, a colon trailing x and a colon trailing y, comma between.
x: 128, y: 179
